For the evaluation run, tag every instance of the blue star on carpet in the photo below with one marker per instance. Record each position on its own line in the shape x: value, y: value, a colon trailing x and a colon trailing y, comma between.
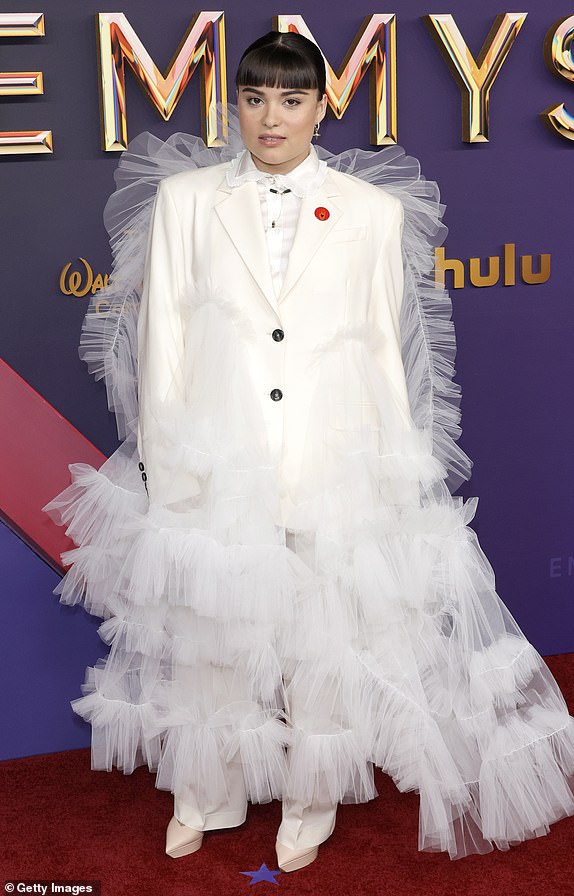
x: 263, y: 873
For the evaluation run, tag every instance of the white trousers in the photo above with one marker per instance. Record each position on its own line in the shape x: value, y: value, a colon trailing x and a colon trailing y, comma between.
x: 301, y: 825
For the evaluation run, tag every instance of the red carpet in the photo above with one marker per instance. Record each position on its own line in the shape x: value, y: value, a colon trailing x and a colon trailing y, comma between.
x: 60, y: 820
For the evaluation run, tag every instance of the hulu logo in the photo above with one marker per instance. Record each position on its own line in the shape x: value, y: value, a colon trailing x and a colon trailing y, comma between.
x: 495, y: 269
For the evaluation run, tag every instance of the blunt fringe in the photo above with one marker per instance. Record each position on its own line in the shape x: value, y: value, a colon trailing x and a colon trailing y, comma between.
x: 282, y: 59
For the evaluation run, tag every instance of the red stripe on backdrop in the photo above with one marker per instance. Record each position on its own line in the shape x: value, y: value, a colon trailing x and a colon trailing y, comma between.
x: 36, y: 446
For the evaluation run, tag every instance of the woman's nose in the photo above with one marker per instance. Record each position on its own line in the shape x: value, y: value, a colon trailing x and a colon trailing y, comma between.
x: 271, y: 117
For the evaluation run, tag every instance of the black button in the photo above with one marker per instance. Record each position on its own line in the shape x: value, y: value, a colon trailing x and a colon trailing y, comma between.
x: 276, y: 394
x: 144, y: 477
x: 140, y: 465
x: 278, y: 335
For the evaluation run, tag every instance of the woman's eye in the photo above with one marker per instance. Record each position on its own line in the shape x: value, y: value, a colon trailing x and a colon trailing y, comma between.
x: 254, y: 100
x: 292, y: 102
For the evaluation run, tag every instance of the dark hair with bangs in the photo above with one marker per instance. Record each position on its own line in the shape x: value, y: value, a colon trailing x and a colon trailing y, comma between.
x: 282, y: 59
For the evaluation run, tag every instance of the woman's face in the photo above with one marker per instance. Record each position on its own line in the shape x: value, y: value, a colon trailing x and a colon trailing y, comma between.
x: 277, y: 125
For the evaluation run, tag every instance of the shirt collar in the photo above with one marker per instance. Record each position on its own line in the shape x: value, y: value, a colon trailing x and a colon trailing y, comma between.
x: 302, y: 180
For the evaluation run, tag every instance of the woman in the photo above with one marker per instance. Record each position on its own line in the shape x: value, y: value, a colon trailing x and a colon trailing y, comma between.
x: 291, y: 594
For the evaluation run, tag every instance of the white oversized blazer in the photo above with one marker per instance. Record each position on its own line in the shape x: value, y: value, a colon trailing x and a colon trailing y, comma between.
x: 345, y: 271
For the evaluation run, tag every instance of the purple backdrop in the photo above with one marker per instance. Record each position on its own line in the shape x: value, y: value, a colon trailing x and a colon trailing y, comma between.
x: 515, y: 362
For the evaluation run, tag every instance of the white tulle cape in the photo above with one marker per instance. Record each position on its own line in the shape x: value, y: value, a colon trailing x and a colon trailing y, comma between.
x: 368, y: 633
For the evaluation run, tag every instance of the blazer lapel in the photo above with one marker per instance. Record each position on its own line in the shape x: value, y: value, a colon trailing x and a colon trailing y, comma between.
x: 312, y: 229
x: 240, y: 213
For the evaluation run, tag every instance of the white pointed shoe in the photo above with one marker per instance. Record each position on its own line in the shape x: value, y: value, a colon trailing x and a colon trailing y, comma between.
x: 180, y: 840
x: 293, y: 859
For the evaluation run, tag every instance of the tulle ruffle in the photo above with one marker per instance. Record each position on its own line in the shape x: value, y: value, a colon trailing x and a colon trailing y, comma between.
x: 364, y: 631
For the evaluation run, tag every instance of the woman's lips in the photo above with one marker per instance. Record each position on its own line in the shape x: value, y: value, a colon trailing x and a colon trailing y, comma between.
x: 269, y: 140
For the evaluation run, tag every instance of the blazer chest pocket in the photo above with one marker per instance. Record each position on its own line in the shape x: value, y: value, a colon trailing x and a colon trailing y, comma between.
x: 346, y: 235
x: 355, y: 416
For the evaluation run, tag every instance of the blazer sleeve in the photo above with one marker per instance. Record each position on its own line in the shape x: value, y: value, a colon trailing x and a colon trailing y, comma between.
x: 385, y: 308
x: 161, y: 379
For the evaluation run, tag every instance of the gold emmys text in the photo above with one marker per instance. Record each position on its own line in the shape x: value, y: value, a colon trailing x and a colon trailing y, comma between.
x: 203, y: 48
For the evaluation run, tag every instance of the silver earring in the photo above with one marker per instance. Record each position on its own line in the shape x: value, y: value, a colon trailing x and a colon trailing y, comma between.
x: 316, y: 132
